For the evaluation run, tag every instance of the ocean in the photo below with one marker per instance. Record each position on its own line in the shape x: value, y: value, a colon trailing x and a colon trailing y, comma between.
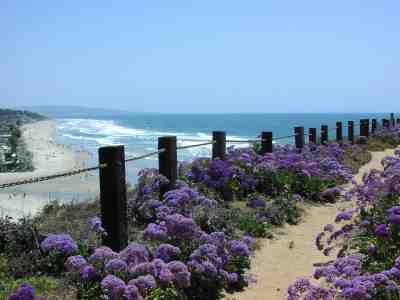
x: 139, y: 131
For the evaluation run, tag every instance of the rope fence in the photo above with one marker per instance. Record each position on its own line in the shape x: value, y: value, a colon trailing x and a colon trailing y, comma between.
x: 145, y: 155
x: 112, y: 173
x: 50, y: 177
x: 204, y: 142
x: 195, y: 146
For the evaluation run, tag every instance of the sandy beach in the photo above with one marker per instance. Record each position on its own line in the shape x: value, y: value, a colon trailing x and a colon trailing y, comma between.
x: 49, y: 157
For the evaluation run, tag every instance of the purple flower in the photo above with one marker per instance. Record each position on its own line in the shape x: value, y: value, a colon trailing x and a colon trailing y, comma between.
x: 329, y: 228
x: 394, y: 219
x: 24, y: 292
x: 344, y: 216
x: 101, y: 256
x: 257, y: 202
x: 135, y: 254
x: 181, y: 227
x: 238, y: 248
x: 60, y: 243
x: 381, y: 230
x: 116, y: 267
x: 371, y: 249
x: 181, y: 273
x: 96, y: 226
x: 165, y: 276
x: 156, y: 232
x: 167, y: 252
x: 75, y: 263
x: 88, y: 273
x: 131, y: 292
x: 113, y: 286
x: 144, y: 283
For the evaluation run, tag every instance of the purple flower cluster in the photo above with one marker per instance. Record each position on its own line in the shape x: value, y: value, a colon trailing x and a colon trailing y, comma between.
x: 372, y: 233
x: 96, y: 226
x: 244, y: 171
x: 346, y: 281
x: 61, y: 244
x: 25, y: 292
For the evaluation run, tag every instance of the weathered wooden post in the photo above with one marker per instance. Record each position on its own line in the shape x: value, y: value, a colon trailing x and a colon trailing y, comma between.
x: 219, y: 145
x: 364, y: 128
x: 373, y: 126
x: 312, y: 135
x: 339, y: 132
x: 113, y: 204
x: 324, y: 134
x: 167, y: 162
x: 299, y: 137
x: 266, y: 142
x: 219, y: 152
x: 350, y: 131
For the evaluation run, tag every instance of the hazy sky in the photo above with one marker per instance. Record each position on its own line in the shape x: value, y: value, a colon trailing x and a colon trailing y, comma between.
x: 202, y: 56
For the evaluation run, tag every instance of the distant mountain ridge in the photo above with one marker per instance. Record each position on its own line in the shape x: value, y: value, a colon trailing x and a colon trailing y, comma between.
x: 77, y: 112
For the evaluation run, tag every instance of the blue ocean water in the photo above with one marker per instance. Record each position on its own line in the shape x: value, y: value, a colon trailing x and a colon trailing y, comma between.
x: 139, y: 131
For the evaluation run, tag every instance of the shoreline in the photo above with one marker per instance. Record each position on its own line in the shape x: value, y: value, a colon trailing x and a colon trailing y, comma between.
x: 49, y: 158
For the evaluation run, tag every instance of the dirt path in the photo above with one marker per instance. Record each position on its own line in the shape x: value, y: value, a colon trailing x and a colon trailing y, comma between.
x: 276, y: 265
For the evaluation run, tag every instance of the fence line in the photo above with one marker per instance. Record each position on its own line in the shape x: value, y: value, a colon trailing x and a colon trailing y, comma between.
x: 49, y: 177
x: 194, y: 146
x: 145, y: 155
x: 113, y: 199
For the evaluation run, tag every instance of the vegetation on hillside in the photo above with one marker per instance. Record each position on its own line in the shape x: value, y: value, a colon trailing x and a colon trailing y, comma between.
x: 193, y: 243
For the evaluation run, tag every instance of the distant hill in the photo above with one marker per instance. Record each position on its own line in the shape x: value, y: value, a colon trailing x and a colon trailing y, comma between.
x: 10, y: 116
x: 74, y: 111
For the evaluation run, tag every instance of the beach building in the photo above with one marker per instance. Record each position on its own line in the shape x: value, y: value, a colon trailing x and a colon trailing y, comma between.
x: 5, y: 150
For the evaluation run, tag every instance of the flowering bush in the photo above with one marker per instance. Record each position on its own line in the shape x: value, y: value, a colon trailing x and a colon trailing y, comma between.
x: 25, y: 292
x: 368, y: 263
x: 286, y: 170
x: 185, y: 259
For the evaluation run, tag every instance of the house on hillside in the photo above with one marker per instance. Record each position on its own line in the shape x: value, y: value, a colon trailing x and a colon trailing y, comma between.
x: 5, y: 150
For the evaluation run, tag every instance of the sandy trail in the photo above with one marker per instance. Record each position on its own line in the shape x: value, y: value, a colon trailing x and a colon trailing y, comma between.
x: 49, y: 157
x: 276, y: 265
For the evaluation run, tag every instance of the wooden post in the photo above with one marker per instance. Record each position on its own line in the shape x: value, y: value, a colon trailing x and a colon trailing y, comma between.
x: 350, y: 131
x: 113, y: 197
x: 299, y: 137
x: 167, y: 161
x: 373, y: 126
x: 364, y: 128
x: 324, y: 134
x: 339, y: 132
x: 312, y: 135
x: 219, y: 145
x: 266, y: 142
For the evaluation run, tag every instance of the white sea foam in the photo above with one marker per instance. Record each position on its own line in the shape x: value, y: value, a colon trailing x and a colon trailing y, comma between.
x: 108, y: 132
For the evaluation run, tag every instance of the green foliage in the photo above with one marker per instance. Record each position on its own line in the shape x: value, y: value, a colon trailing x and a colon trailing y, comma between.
x: 164, y: 294
x: 43, y: 285
x: 235, y: 221
x: 204, y: 288
x: 239, y: 265
x: 250, y: 224
x: 88, y: 291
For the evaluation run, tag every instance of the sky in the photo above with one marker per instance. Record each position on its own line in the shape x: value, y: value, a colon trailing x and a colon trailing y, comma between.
x: 202, y: 56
